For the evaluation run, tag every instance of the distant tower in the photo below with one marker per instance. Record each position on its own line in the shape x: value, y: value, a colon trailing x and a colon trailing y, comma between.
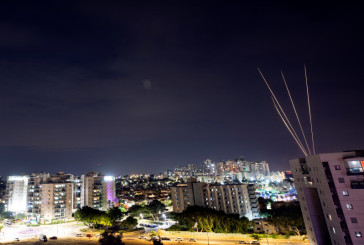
x: 209, y: 167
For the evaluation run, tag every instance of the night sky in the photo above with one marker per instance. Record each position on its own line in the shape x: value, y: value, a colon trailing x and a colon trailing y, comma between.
x: 144, y: 87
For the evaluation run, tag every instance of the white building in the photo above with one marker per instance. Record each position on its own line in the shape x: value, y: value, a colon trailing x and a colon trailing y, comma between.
x: 16, y: 193
x: 232, y: 199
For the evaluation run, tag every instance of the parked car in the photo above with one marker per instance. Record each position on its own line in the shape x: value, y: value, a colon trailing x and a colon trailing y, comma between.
x: 7, y: 222
x: 165, y: 238
x: 142, y: 237
x: 255, y: 242
x: 43, y: 238
x: 79, y: 235
x: 243, y: 242
x: 192, y: 240
x: 89, y: 235
x: 155, y: 238
x: 53, y: 238
x: 16, y: 239
x: 178, y: 239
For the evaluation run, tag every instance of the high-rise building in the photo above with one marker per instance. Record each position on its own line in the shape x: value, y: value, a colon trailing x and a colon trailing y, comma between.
x: 185, y: 171
x: 259, y: 169
x: 209, y: 167
x: 97, y: 191
x: 77, y: 186
x: 34, y: 199
x: 50, y: 197
x: 234, y: 199
x: 330, y: 188
x: 57, y: 201
x: 16, y: 193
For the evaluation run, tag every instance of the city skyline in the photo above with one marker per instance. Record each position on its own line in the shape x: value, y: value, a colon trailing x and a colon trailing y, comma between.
x: 141, y: 88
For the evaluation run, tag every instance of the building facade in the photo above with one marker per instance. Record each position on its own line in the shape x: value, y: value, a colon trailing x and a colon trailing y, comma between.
x: 57, y: 201
x: 34, y: 199
x: 46, y: 198
x: 330, y: 188
x: 232, y: 199
x: 16, y: 193
x: 97, y: 191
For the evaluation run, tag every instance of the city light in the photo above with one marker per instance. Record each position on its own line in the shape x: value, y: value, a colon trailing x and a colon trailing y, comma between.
x: 109, y: 178
x: 18, y: 178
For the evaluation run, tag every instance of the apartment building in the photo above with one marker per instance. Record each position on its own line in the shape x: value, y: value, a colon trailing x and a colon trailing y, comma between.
x: 34, y: 198
x: 77, y: 186
x: 232, y: 198
x: 97, y: 191
x: 16, y: 193
x: 45, y: 198
x: 263, y: 226
x: 330, y: 188
x: 57, y: 201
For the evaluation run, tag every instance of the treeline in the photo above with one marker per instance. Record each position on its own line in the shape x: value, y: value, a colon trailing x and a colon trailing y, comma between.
x: 200, y: 219
x: 287, y: 216
x: 110, y: 219
x: 152, y: 210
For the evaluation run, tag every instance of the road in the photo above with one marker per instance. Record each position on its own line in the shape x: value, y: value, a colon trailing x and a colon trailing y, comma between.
x: 9, y: 233
x: 133, y: 238
x: 67, y: 235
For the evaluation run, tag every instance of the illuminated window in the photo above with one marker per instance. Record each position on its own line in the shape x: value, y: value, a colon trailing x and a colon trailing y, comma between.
x: 358, y: 234
x: 355, y: 166
x: 345, y: 193
x: 349, y: 206
x: 337, y: 167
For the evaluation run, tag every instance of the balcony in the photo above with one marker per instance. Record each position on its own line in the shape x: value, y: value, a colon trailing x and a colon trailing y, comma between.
x: 357, y: 184
x: 354, y: 172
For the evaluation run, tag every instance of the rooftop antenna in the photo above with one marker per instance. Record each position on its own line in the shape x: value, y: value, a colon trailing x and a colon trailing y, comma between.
x: 309, y: 111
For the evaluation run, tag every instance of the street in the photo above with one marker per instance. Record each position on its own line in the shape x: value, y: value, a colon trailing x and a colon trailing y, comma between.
x: 66, y: 234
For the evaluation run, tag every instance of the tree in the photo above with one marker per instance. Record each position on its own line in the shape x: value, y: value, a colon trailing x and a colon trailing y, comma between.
x: 108, y: 238
x: 20, y: 216
x: 288, y: 216
x: 135, y: 210
x: 7, y: 215
x: 1, y: 227
x: 200, y: 219
x: 154, y: 208
x: 93, y: 217
x: 129, y: 222
x: 115, y: 214
x: 152, y: 234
